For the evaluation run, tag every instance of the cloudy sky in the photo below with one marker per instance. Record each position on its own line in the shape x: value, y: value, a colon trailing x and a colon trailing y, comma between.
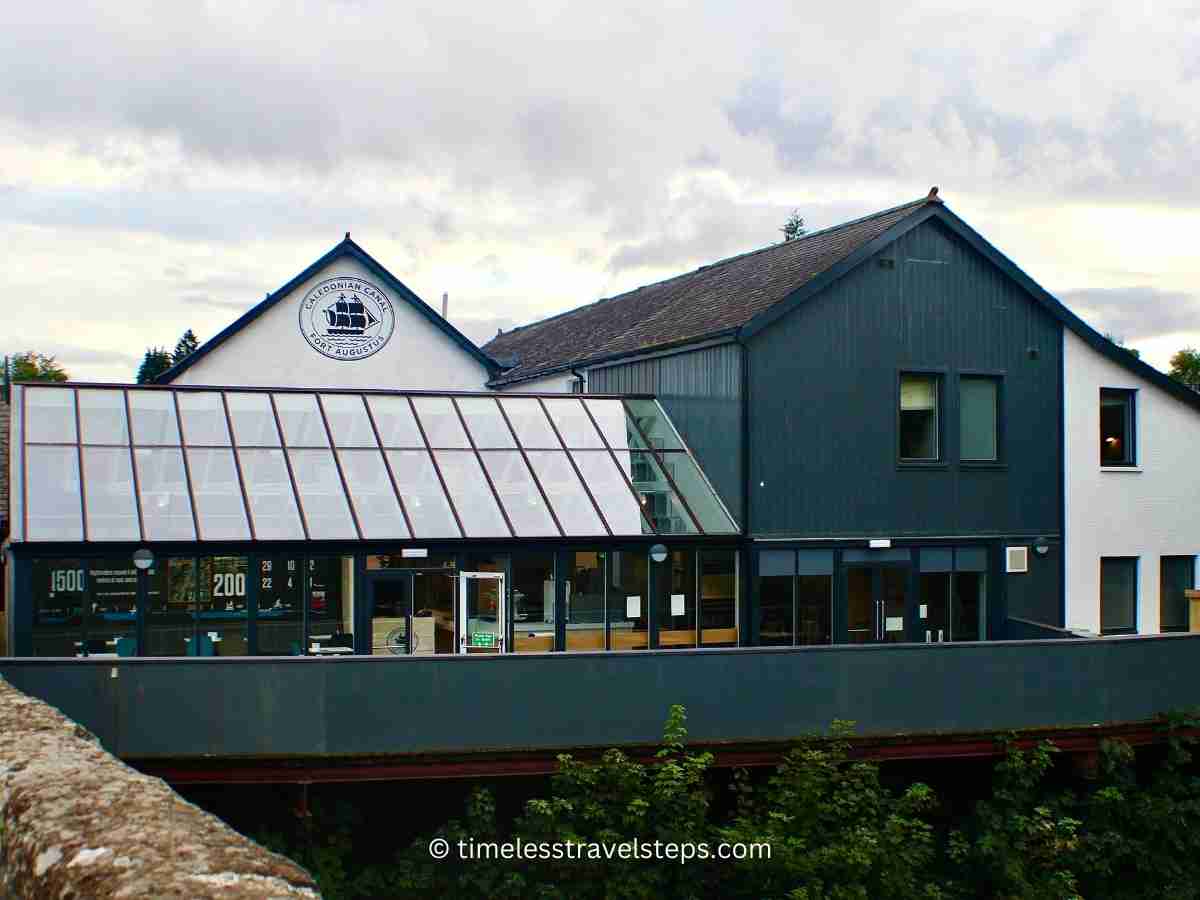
x: 164, y: 168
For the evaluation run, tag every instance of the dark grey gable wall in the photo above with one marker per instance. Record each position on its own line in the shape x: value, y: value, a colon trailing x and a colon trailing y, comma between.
x: 701, y: 390
x: 823, y: 400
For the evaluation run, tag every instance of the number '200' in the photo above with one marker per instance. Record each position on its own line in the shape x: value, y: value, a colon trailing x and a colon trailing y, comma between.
x: 229, y: 584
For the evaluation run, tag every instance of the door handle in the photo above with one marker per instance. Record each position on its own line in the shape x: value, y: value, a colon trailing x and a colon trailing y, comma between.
x: 927, y: 637
x: 940, y: 638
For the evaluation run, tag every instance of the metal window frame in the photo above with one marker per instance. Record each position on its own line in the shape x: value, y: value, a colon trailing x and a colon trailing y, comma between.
x: 586, y: 489
x: 529, y: 467
x: 659, y: 459
x: 387, y: 467
x: 637, y: 500
x: 184, y: 445
x: 462, y: 532
x: 512, y: 532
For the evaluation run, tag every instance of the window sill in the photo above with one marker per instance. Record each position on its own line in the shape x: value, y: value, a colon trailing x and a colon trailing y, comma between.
x: 921, y: 465
x: 982, y: 464
x: 1120, y: 468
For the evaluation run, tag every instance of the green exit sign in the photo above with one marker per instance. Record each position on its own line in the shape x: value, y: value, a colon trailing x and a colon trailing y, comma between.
x: 483, y: 639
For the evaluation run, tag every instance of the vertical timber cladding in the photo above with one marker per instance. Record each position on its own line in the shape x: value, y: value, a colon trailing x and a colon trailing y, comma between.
x: 824, y: 398
x: 701, y: 390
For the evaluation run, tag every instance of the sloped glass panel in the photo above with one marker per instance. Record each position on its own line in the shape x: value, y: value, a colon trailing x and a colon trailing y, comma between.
x: 428, y: 509
x: 658, y: 499
x: 272, y: 504
x: 301, y: 420
x: 52, y: 482
x: 573, y: 423
x: 253, y: 420
x: 440, y: 421
x: 154, y: 422
x: 219, y: 504
x: 614, y: 424
x: 108, y: 488
x: 530, y: 423
x: 348, y: 421
x: 49, y: 415
x: 394, y: 419
x: 522, y: 500
x: 371, y: 493
x: 654, y: 423
x: 322, y: 497
x: 203, y: 416
x: 699, y: 494
x: 102, y: 417
x: 616, y: 501
x: 575, y: 511
x: 472, y: 497
x: 487, y: 426
x: 166, y: 508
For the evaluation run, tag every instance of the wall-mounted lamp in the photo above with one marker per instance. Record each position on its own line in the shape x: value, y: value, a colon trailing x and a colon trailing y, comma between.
x: 658, y: 553
x: 1041, y: 546
x: 143, y: 559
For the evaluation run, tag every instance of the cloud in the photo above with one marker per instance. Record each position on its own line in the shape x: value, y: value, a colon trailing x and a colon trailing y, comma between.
x: 1136, y: 313
x: 527, y: 162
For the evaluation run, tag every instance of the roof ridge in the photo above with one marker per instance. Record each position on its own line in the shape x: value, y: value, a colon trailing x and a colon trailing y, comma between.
x: 720, y: 262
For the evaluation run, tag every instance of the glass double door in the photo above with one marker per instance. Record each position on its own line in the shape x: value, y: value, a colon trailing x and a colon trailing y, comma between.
x: 876, y: 604
x: 422, y: 614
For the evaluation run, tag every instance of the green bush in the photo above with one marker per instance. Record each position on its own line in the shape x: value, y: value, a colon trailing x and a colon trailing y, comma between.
x: 834, y: 829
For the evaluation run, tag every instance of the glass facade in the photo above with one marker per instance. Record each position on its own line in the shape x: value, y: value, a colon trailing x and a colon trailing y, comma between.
x: 141, y: 464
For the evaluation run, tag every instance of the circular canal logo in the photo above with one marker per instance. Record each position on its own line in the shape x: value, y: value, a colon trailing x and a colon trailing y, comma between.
x: 346, y: 318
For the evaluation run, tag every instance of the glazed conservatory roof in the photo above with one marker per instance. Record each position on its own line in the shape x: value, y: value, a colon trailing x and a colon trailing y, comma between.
x: 115, y: 463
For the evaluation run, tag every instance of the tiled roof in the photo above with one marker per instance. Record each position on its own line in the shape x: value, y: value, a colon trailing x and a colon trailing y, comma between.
x: 711, y: 300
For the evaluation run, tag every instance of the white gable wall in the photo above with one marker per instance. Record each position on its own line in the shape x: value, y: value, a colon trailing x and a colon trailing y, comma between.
x: 1149, y: 511
x: 271, y: 351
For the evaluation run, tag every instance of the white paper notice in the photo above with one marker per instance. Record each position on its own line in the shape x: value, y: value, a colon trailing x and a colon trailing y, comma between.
x: 677, y: 603
x: 924, y: 611
x: 633, y: 607
x: 895, y: 623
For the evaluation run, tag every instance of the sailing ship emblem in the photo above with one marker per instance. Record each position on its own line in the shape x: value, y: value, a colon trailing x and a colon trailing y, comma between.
x: 346, y: 318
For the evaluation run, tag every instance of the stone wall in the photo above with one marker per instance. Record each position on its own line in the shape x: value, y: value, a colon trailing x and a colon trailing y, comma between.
x: 75, y: 822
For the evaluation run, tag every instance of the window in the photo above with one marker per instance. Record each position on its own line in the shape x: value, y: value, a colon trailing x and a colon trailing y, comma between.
x: 719, y: 598
x: 1118, y: 595
x: 1176, y: 575
x: 919, y: 418
x: 674, y: 600
x: 795, y: 597
x: 1117, y: 432
x: 628, y: 592
x: 532, y: 593
x: 585, y: 601
x: 978, y: 418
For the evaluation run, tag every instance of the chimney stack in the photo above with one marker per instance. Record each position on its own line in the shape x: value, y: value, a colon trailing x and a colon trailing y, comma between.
x: 445, y: 304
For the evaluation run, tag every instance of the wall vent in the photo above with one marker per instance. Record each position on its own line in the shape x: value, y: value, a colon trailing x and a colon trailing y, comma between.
x: 1016, y: 559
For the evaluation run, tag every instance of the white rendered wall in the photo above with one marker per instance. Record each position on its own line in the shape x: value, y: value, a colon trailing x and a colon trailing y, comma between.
x: 558, y: 383
x: 271, y: 351
x: 1149, y: 511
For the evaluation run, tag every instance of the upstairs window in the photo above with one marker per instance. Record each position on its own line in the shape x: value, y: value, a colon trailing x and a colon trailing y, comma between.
x: 1117, y: 427
x: 978, y: 415
x: 919, y: 418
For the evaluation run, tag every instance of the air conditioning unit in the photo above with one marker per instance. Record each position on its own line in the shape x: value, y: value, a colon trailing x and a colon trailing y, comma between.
x: 1016, y: 559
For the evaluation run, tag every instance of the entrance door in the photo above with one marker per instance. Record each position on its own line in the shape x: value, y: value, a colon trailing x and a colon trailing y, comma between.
x: 391, y: 615
x: 481, y: 612
x: 876, y: 600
